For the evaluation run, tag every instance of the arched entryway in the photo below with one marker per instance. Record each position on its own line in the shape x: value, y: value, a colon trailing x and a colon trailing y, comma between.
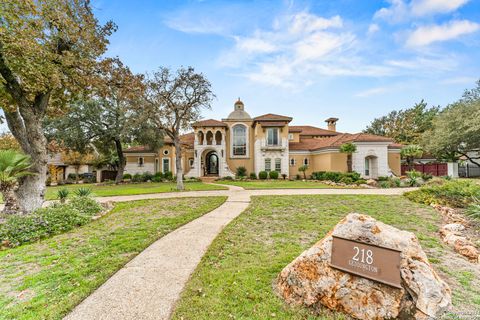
x: 371, y: 167
x: 211, y: 163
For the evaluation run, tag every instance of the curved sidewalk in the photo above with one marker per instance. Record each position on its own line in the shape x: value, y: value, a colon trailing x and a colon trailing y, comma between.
x: 150, y: 284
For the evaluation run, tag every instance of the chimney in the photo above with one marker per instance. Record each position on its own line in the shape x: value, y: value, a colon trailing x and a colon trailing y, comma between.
x: 332, y: 124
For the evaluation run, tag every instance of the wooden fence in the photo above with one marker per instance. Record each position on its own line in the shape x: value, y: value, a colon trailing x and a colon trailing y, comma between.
x: 435, y: 169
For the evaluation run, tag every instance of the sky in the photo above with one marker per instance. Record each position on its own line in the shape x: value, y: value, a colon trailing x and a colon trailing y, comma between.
x: 351, y: 59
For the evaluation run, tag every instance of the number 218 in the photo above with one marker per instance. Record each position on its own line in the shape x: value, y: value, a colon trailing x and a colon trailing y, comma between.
x: 362, y: 255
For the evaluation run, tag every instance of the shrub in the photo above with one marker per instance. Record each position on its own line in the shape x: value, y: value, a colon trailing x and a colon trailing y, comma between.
x: 48, y: 182
x: 455, y: 193
x: 384, y: 184
x: 158, y: 175
x: 137, y: 177
x: 45, y: 222
x: 228, y: 178
x: 241, y: 172
x: 262, y: 175
x: 332, y: 176
x: 147, y: 176
x: 346, y: 180
x: 361, y: 181
x: 62, y: 194
x: 72, y: 176
x: 426, y: 176
x: 92, y: 179
x: 413, y: 178
x: 284, y: 176
x: 273, y: 175
x: 382, y: 179
x: 297, y: 177
x: 319, y: 175
x: 83, y: 192
x: 168, y: 175
x: 474, y: 210
x: 253, y: 176
x: 127, y: 176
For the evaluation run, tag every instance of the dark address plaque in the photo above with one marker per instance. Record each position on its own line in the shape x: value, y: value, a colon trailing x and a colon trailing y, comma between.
x: 366, y: 260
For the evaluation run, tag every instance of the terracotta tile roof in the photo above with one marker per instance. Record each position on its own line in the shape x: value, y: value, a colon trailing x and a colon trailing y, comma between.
x: 209, y: 123
x: 312, y: 131
x: 272, y: 117
x: 138, y: 149
x: 186, y: 139
x: 395, y: 146
x: 335, y: 141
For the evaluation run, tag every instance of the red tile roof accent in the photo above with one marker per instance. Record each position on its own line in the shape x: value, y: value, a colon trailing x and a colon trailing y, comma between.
x: 335, y: 141
x: 209, y: 123
x: 312, y: 131
x: 272, y: 124
x: 272, y: 117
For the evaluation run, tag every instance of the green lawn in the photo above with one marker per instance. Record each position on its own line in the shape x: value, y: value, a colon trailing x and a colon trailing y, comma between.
x: 234, y: 279
x: 45, y: 280
x: 130, y: 188
x: 279, y: 184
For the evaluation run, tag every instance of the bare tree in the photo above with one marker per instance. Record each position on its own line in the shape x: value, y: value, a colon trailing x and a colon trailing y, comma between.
x: 173, y: 101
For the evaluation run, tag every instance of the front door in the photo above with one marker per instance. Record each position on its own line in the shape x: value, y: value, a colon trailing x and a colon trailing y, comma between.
x: 212, y: 163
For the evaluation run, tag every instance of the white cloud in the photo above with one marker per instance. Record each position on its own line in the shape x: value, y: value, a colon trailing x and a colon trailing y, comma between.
x: 429, y: 7
x: 371, y: 92
x: 401, y: 10
x: 254, y: 45
x: 373, y: 28
x: 460, y: 80
x: 426, y: 35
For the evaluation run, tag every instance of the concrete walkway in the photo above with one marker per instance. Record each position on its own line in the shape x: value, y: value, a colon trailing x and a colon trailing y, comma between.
x: 149, y: 285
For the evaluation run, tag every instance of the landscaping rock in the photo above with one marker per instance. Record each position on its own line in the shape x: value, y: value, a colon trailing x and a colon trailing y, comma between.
x: 372, y: 183
x: 311, y: 282
x: 453, y: 227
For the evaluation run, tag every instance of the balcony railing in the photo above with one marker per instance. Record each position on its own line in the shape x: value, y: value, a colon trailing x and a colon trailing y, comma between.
x: 281, y: 145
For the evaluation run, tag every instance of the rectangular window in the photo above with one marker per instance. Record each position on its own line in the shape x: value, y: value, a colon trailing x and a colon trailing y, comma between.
x: 367, y: 166
x: 278, y: 165
x: 239, y: 140
x: 272, y: 137
x: 268, y: 165
x: 165, y: 165
x: 140, y: 161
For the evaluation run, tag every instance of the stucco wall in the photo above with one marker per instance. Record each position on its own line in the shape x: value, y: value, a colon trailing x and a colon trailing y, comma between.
x: 377, y: 150
x: 394, y: 162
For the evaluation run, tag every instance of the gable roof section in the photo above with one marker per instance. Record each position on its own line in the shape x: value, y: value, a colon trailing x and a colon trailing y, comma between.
x: 272, y: 117
x: 312, y: 131
x: 337, y: 141
x: 209, y: 123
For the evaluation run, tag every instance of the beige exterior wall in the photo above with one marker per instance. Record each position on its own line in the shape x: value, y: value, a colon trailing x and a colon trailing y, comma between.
x: 296, y: 137
x: 234, y: 162
x: 394, y: 162
x: 338, y: 162
x: 329, y: 161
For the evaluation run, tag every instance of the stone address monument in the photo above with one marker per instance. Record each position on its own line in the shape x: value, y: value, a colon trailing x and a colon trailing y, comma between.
x: 375, y: 272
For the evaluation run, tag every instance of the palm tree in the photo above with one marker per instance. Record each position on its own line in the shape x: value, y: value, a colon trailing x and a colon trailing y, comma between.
x: 348, y: 148
x: 13, y: 166
x: 303, y: 169
x: 411, y: 152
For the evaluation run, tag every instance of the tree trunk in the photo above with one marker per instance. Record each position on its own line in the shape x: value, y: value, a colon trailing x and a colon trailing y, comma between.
x: 77, y: 170
x: 178, y: 162
x: 349, y: 162
x: 11, y: 203
x: 121, y: 161
x: 26, y: 127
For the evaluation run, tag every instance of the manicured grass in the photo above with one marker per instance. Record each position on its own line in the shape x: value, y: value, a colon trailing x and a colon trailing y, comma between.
x: 234, y: 279
x: 279, y: 184
x: 45, y: 280
x: 130, y: 188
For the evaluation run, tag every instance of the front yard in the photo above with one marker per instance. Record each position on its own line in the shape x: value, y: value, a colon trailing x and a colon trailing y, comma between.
x: 45, y: 280
x: 130, y: 188
x: 279, y: 184
x: 234, y: 279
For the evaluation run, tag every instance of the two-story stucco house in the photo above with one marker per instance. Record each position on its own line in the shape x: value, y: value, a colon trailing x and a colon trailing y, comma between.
x: 266, y: 143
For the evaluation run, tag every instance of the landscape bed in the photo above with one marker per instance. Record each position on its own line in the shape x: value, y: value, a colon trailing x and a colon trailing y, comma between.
x: 234, y: 279
x: 46, y: 279
x: 279, y: 184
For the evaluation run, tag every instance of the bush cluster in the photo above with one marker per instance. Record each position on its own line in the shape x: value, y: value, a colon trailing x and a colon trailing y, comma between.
x: 347, y: 177
x: 273, y: 175
x: 453, y: 193
x: 241, y: 172
x: 263, y: 175
x: 46, y: 222
x: 147, y: 176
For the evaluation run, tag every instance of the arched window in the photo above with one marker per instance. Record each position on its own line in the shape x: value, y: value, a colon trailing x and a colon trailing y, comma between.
x: 305, y: 162
x: 200, y: 137
x: 209, y: 138
x: 218, y: 138
x: 239, y: 140
x: 292, y: 162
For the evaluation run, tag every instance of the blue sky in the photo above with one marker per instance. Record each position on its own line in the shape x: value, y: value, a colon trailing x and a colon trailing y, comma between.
x: 351, y: 59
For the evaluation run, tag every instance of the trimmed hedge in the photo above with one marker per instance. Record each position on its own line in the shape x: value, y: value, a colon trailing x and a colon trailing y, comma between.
x: 46, y: 222
x: 262, y: 175
x: 273, y: 175
x: 348, y: 177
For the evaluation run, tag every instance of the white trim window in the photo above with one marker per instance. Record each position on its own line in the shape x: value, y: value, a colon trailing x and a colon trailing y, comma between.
x: 278, y: 165
x: 293, y: 162
x: 268, y: 164
x: 367, y: 167
x: 190, y: 162
x: 141, y: 161
x: 306, y: 162
x: 239, y: 137
x: 290, y: 136
x: 165, y: 165
x: 273, y: 137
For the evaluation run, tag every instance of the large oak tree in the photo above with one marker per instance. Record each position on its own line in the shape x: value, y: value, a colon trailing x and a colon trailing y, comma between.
x: 49, y: 50
x: 173, y: 102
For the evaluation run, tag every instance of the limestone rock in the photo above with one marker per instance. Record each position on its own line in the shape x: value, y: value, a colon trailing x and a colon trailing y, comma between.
x: 371, y: 182
x: 453, y: 227
x: 311, y: 282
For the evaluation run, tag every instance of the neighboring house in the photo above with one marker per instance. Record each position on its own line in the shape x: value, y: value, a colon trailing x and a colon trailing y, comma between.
x: 59, y: 171
x: 267, y: 143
